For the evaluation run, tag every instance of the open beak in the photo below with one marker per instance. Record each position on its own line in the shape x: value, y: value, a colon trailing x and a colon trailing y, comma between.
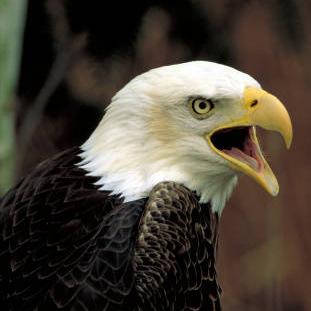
x: 236, y: 141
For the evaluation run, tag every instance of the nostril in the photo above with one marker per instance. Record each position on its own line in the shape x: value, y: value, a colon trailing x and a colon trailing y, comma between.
x: 254, y: 103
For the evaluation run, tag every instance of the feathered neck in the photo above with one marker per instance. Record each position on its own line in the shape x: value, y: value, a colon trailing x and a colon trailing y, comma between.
x: 147, y: 136
x: 130, y: 163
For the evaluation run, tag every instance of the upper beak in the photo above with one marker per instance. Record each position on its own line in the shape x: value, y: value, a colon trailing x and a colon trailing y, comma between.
x: 266, y: 111
x: 259, y: 108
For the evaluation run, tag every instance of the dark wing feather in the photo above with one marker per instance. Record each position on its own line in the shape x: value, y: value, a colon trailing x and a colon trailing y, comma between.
x: 64, y: 245
x: 175, y: 252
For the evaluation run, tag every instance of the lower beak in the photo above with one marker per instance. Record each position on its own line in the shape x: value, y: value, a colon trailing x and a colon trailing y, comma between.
x: 261, y: 109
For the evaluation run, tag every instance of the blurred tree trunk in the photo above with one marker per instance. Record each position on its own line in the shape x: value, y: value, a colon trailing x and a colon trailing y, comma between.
x: 12, y: 17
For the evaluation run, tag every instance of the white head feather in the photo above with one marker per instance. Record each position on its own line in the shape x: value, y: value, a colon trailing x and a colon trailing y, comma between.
x: 149, y: 134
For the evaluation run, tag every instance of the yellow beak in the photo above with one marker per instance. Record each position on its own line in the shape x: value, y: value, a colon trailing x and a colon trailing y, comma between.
x: 258, y: 108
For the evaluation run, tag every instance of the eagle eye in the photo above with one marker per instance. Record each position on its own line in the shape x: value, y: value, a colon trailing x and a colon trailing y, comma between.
x: 201, y: 107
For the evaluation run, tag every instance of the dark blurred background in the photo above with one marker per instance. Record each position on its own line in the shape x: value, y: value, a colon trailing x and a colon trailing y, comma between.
x: 75, y: 54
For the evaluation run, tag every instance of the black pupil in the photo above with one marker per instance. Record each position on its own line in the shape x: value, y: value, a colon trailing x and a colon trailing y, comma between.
x: 202, y: 105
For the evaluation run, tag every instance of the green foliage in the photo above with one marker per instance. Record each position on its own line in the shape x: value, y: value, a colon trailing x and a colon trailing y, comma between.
x: 12, y: 18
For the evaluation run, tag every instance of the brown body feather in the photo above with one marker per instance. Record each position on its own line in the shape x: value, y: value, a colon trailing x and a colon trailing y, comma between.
x: 175, y: 252
x: 64, y: 245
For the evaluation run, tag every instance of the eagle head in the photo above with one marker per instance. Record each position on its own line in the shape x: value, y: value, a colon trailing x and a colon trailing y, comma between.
x: 191, y: 123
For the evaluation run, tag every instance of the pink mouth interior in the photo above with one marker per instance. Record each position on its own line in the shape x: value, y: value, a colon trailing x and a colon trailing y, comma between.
x: 238, y: 143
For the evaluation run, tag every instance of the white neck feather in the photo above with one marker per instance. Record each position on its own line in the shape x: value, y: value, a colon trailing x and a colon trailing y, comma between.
x: 130, y: 164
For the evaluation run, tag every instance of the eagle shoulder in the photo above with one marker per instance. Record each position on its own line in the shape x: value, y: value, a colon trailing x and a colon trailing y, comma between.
x: 64, y: 245
x: 175, y: 252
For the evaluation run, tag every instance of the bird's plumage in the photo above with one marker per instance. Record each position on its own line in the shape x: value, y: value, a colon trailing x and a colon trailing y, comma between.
x: 64, y: 243
x: 175, y: 252
x: 129, y: 220
x: 67, y: 246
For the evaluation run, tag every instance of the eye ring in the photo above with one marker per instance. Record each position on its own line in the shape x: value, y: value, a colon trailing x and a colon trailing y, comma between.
x: 201, y: 106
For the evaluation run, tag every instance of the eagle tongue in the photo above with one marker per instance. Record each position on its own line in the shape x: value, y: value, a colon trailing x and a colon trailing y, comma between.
x: 243, y: 157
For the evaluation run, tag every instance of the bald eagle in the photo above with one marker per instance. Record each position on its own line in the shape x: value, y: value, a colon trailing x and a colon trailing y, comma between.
x: 129, y: 220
